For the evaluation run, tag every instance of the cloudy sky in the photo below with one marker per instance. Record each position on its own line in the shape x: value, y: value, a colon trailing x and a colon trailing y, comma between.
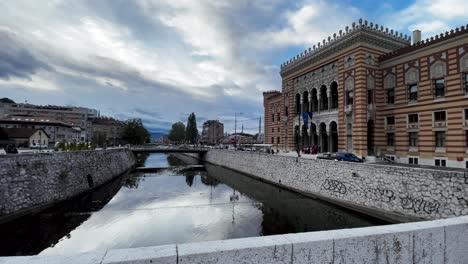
x: 162, y: 59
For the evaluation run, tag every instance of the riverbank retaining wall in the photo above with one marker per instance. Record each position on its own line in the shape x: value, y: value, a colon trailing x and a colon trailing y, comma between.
x: 438, y: 241
x: 32, y: 181
x: 394, y: 193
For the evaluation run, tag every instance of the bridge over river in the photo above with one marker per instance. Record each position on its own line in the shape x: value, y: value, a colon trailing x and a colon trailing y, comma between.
x: 166, y: 149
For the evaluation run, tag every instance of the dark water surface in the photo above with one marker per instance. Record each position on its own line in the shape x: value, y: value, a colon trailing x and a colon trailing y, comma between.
x: 150, y: 209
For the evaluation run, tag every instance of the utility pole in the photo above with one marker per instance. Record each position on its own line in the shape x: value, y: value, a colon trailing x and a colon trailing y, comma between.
x: 235, y: 129
x: 259, y: 125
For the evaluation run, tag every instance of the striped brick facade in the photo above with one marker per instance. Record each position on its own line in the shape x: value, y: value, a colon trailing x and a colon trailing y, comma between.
x: 371, y: 63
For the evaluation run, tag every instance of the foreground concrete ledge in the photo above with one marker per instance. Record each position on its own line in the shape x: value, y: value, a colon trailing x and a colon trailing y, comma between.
x: 438, y: 241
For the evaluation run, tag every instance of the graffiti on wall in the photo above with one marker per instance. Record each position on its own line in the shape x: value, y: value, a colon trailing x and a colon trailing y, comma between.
x: 419, y: 205
x: 378, y: 194
x: 334, y: 186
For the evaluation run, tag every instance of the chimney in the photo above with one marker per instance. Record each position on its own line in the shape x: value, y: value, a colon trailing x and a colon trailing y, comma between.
x: 416, y: 36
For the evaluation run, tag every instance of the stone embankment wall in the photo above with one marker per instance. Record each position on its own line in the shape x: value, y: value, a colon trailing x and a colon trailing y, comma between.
x: 394, y: 193
x: 32, y: 181
x: 438, y: 241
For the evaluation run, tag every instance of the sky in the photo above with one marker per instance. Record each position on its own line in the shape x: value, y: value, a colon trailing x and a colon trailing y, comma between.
x: 160, y: 60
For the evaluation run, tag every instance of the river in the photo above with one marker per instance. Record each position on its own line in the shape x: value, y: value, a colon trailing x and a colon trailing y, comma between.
x: 150, y: 209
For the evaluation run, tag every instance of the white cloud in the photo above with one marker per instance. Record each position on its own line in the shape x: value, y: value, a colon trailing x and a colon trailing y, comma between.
x: 430, y: 16
x: 310, y: 23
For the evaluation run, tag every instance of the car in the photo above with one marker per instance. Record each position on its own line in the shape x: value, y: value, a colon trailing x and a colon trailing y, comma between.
x: 327, y: 156
x: 348, y: 156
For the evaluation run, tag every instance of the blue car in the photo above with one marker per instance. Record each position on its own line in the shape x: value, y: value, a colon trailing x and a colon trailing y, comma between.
x: 347, y: 156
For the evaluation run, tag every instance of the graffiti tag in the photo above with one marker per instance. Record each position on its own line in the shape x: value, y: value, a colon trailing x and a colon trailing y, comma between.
x: 419, y: 205
x: 334, y: 186
x: 383, y: 195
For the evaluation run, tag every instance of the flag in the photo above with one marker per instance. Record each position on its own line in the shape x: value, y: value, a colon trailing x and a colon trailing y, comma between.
x: 305, y: 117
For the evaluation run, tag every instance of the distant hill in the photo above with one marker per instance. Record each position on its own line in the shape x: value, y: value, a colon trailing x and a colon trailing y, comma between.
x: 7, y: 101
x: 156, y: 135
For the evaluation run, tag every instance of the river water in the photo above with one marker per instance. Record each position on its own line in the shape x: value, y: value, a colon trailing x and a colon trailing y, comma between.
x: 150, y: 209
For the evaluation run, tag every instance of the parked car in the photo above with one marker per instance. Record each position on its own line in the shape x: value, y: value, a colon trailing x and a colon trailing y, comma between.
x: 347, y: 156
x: 327, y: 156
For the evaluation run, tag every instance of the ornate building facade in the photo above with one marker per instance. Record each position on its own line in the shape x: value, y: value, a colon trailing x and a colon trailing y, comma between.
x: 372, y: 93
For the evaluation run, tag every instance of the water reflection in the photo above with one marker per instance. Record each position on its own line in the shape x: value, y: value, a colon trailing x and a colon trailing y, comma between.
x: 171, y: 207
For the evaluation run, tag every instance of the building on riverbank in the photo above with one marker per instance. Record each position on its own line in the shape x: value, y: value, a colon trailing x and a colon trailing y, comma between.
x: 212, y: 133
x: 107, y: 131
x: 372, y: 92
x: 74, y: 116
x: 57, y: 131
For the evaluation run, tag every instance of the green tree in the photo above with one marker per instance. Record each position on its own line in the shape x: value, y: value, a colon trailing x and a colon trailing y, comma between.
x: 177, y: 133
x: 191, y: 133
x: 135, y: 133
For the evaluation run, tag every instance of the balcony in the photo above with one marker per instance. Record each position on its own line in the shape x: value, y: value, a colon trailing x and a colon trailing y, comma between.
x: 413, y: 125
x: 349, y: 108
x: 390, y: 127
x: 466, y: 122
x: 440, y: 124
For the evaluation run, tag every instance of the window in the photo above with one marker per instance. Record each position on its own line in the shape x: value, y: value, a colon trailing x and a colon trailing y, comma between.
x: 466, y: 138
x: 465, y: 82
x: 439, y: 116
x: 413, y: 139
x: 391, y: 96
x: 370, y: 97
x: 413, y: 118
x: 272, y: 140
x: 413, y: 161
x: 439, y: 86
x: 390, y: 120
x: 278, y: 129
x: 272, y: 117
x: 413, y: 92
x: 287, y: 111
x: 349, y: 97
x: 466, y: 164
x: 440, y: 163
x: 390, y: 139
x: 278, y: 140
x: 440, y: 139
x: 272, y: 130
x: 466, y: 114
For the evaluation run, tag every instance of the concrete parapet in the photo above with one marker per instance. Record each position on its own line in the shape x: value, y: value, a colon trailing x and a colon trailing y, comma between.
x: 437, y: 241
x: 393, y: 193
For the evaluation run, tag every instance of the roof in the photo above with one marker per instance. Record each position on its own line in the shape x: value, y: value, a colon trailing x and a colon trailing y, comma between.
x: 425, y: 43
x: 7, y: 101
x: 107, y: 121
x: 36, y: 121
x: 361, y: 32
x: 19, y: 132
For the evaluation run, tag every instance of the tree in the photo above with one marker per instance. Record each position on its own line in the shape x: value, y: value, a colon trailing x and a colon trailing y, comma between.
x: 177, y: 133
x: 135, y: 133
x: 191, y: 133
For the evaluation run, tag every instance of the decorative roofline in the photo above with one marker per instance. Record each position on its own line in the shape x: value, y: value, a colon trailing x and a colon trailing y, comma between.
x: 343, y: 35
x: 271, y: 92
x: 427, y: 42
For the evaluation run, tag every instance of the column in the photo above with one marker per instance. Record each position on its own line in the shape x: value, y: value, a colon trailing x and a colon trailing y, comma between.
x: 310, y: 102
x: 329, y: 99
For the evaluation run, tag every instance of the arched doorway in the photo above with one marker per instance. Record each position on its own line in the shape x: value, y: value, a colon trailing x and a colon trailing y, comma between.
x: 305, y: 137
x: 333, y: 137
x: 314, y: 100
x: 323, y: 137
x: 305, y: 104
x: 298, y: 103
x: 296, y: 136
x: 323, y: 98
x: 370, y: 137
x: 334, y: 95
x: 313, y: 135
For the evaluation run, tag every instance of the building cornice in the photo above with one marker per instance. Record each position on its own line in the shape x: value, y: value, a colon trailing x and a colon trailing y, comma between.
x: 428, y: 43
x: 361, y: 33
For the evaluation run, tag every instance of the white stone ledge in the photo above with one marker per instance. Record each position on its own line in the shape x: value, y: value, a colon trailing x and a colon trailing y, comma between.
x: 438, y: 241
